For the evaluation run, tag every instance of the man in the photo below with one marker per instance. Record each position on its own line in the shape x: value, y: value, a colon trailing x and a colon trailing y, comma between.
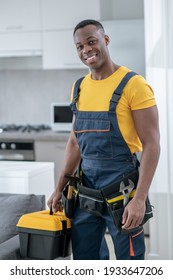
x: 106, y: 134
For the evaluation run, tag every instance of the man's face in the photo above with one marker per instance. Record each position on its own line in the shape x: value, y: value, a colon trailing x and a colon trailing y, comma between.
x: 91, y: 44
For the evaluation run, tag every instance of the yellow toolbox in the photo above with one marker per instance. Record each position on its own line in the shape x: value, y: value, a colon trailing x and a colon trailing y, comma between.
x: 44, y: 235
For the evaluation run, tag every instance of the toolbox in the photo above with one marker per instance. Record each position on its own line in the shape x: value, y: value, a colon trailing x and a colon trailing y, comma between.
x: 44, y: 235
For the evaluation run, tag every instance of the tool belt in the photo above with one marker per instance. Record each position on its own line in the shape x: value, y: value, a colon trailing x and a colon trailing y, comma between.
x: 115, y: 197
x: 95, y: 201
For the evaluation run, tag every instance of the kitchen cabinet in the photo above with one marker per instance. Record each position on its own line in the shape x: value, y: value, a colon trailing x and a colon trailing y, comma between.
x: 65, y: 14
x: 27, y: 177
x: 20, y: 28
x: 19, y: 16
x: 20, y: 44
x: 58, y: 21
x: 59, y: 50
x: 51, y: 151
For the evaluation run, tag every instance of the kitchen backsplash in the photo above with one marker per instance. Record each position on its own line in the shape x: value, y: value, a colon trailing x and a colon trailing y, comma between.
x: 26, y: 95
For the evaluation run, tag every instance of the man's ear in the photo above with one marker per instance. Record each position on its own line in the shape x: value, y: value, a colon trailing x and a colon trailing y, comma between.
x: 107, y: 40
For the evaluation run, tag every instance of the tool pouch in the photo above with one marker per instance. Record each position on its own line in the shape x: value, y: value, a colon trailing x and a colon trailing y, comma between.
x: 148, y: 211
x: 114, y: 200
x: 117, y: 213
x: 91, y: 200
x: 69, y: 204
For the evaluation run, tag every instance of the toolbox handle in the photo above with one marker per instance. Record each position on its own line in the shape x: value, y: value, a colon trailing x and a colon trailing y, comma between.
x: 51, y: 212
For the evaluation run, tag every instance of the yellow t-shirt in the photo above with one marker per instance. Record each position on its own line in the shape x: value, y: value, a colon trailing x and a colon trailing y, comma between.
x: 95, y: 95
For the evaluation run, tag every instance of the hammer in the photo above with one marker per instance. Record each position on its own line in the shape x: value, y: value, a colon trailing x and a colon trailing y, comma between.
x: 72, y: 184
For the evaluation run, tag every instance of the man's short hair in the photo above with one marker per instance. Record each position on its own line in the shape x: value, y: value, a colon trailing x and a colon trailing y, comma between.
x: 86, y: 22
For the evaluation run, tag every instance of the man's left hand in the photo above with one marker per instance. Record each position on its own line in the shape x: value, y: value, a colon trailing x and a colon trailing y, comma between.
x: 133, y: 214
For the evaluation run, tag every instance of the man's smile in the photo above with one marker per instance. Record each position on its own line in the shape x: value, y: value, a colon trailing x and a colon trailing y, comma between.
x: 90, y: 58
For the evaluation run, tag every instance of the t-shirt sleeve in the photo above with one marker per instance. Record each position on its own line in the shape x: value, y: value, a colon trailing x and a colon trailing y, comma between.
x: 140, y: 94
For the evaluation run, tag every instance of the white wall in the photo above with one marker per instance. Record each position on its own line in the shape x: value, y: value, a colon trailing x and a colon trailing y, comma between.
x: 127, y: 46
x: 26, y: 95
x: 159, y: 71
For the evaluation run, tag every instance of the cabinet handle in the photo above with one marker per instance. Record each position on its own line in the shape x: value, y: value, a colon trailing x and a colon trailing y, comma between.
x: 15, y: 27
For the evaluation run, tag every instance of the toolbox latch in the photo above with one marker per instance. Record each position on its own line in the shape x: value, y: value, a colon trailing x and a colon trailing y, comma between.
x: 64, y: 226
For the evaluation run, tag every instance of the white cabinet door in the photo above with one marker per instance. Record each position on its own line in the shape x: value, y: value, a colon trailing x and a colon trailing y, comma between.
x: 19, y: 15
x: 20, y: 44
x: 51, y: 151
x: 65, y: 14
x: 20, y: 28
x: 59, y: 50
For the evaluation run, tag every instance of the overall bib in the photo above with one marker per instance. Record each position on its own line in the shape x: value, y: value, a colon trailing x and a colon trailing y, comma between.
x: 106, y: 158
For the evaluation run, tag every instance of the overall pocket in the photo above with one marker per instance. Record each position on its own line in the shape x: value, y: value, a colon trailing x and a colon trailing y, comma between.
x: 91, y: 131
x: 137, y: 243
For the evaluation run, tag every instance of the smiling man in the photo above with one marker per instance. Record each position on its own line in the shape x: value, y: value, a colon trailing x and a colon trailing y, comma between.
x: 115, y: 116
x: 90, y: 44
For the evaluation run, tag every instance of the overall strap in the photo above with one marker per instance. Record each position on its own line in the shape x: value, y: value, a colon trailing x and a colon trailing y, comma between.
x: 118, y: 91
x: 77, y: 90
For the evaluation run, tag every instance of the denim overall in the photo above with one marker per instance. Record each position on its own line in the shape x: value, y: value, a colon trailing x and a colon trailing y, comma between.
x: 106, y: 158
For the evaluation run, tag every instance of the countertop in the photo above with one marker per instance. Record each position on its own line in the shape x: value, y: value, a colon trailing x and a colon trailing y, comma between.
x: 23, y: 169
x: 45, y: 135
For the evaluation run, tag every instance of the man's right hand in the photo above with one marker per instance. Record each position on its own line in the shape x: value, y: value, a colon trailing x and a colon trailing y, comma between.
x: 55, y: 201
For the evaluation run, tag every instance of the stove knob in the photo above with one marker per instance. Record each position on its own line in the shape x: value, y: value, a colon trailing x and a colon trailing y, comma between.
x: 3, y: 146
x: 13, y: 146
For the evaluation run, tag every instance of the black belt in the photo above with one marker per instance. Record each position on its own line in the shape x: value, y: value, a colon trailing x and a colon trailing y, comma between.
x: 110, y: 190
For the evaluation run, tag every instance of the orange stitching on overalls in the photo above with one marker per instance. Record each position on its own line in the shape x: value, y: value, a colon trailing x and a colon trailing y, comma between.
x: 96, y: 130
x: 131, y: 248
x: 132, y: 254
x: 137, y: 233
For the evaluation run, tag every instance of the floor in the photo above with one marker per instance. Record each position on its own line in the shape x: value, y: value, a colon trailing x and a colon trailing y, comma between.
x: 111, y: 249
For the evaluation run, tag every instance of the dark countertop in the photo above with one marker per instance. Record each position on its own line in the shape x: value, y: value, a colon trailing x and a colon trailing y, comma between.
x: 44, y: 136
